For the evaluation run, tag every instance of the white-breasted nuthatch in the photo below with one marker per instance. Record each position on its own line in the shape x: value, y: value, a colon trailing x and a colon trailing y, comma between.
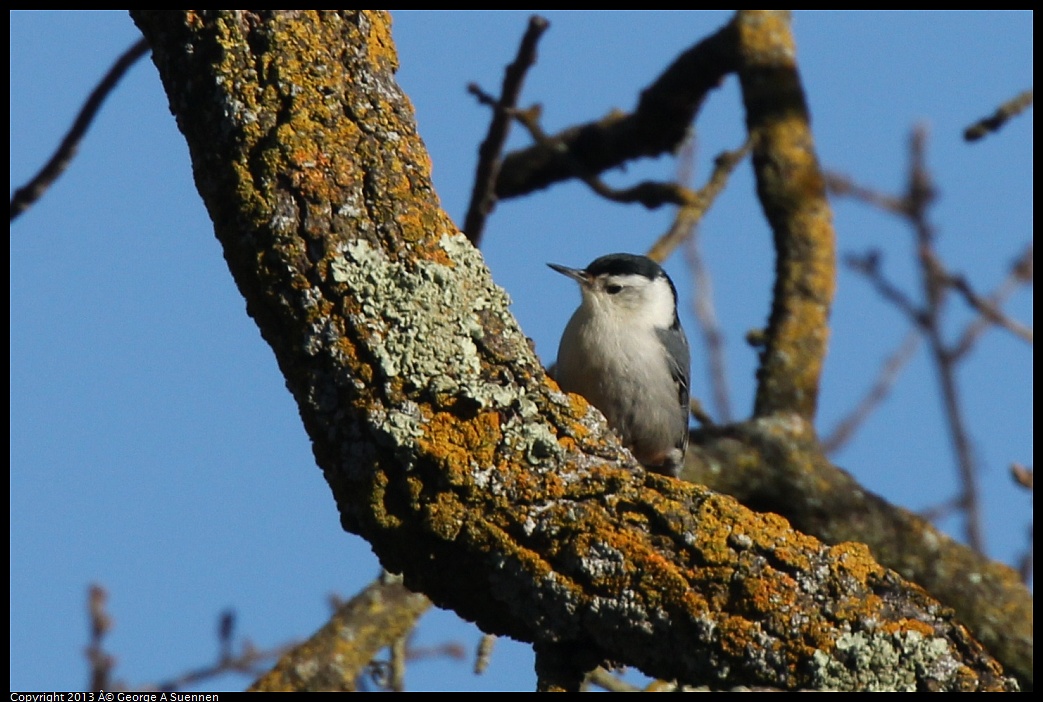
x: 624, y: 350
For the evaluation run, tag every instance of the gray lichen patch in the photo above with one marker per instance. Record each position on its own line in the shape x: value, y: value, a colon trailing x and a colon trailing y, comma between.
x: 423, y: 325
x: 880, y: 661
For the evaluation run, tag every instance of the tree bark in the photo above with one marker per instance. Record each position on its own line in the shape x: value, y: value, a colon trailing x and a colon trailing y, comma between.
x: 444, y: 443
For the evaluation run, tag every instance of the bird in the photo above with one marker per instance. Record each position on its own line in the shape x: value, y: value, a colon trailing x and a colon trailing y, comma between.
x: 624, y: 350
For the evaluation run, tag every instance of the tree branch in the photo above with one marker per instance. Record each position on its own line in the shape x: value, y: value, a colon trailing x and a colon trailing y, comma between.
x: 770, y: 469
x: 657, y: 125
x: 483, y: 196
x: 444, y: 444
x: 793, y: 194
x: 336, y: 656
x: 846, y: 427
x: 1003, y: 114
x: 25, y: 196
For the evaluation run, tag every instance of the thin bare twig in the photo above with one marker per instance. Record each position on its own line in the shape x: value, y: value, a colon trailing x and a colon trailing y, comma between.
x: 845, y: 428
x: 995, y: 121
x: 390, y: 675
x: 607, y: 681
x: 101, y: 663
x: 1025, y: 564
x: 450, y: 649
x: 941, y: 510
x: 932, y: 276
x: 483, y: 195
x: 868, y: 264
x: 713, y: 337
x: 697, y: 202
x: 686, y: 227
x: 1020, y: 274
x: 841, y: 185
x: 249, y: 661
x: 988, y: 310
x: 1022, y: 475
x: 484, y: 653
x: 695, y: 408
x: 225, y: 633
x: 25, y: 196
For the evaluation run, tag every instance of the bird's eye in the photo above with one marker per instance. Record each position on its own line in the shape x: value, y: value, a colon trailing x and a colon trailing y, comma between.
x: 613, y: 289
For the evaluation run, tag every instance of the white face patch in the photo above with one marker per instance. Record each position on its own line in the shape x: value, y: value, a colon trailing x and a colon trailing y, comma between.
x: 633, y: 297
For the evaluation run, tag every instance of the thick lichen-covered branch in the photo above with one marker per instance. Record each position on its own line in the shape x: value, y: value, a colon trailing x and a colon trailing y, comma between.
x: 793, y: 194
x: 776, y: 468
x: 445, y: 446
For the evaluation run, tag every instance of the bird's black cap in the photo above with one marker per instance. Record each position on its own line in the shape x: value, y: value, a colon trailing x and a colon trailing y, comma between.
x: 625, y: 264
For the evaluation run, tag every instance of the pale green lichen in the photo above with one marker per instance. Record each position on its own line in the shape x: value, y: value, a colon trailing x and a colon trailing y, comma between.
x: 540, y: 443
x: 423, y: 327
x: 413, y: 319
x: 883, y: 662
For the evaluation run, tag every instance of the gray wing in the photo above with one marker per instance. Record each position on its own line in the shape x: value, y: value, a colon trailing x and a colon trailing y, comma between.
x: 679, y: 357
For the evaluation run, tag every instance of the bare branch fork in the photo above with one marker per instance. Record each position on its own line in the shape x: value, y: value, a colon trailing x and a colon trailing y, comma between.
x: 869, y: 265
x: 936, y: 281
x: 483, y: 197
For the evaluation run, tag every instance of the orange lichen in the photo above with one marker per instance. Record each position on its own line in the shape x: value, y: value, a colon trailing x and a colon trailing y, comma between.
x: 855, y: 559
x: 458, y: 442
x: 792, y: 191
x: 578, y: 405
x: 767, y: 34
x: 382, y: 53
x: 905, y: 625
x: 740, y: 572
x: 445, y: 516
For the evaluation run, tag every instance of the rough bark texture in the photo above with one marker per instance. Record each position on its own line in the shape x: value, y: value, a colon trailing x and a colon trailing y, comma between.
x: 792, y: 192
x: 785, y: 473
x: 445, y: 445
x: 763, y: 462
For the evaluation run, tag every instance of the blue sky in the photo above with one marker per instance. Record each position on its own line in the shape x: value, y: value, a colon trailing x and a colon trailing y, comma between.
x: 155, y: 450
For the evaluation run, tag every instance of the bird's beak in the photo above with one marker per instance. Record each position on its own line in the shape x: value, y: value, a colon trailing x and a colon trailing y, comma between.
x: 577, y: 274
